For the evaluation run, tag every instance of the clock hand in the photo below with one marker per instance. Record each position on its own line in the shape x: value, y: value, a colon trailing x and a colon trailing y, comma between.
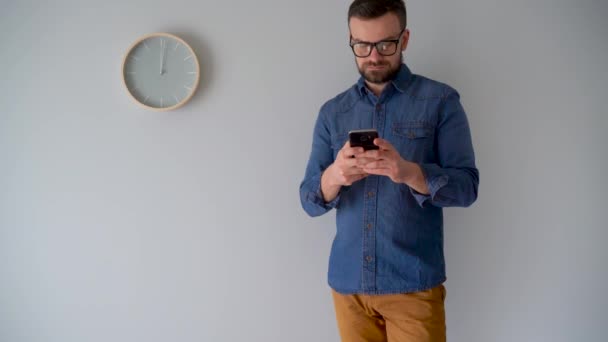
x: 162, y: 55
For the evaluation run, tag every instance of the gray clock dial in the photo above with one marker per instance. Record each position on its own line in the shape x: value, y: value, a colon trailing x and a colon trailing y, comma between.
x: 161, y: 71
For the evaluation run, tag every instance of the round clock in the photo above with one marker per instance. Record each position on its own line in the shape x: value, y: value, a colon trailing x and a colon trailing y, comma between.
x: 160, y: 71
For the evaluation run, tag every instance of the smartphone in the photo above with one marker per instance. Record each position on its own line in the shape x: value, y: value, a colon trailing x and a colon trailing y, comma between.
x: 363, y: 138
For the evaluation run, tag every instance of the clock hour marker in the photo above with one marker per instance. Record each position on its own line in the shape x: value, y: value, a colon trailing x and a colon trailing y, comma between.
x: 135, y: 58
x: 146, y: 46
x: 192, y: 72
x: 131, y: 72
x: 188, y: 88
x: 176, y: 99
x: 146, y: 99
x: 187, y: 58
x: 161, y: 101
x: 176, y: 45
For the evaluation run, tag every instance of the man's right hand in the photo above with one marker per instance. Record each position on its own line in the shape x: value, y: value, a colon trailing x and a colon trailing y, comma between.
x: 344, y: 171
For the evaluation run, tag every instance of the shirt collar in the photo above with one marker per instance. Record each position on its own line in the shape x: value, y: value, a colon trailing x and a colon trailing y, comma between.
x: 400, y: 82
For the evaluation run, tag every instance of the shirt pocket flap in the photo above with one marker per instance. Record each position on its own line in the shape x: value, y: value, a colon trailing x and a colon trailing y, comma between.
x: 412, y: 129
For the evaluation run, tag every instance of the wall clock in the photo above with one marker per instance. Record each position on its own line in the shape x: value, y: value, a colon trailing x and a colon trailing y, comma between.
x: 160, y: 71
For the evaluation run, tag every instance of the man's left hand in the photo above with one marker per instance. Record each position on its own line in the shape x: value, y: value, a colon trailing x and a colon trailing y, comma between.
x: 386, y: 161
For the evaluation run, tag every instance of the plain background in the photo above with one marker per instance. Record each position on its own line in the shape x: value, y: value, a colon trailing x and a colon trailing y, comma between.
x: 121, y: 224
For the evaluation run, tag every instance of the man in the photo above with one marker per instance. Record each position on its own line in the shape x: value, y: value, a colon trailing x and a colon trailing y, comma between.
x: 387, y: 268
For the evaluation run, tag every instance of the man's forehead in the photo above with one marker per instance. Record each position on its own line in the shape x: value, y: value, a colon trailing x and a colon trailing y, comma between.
x: 374, y: 29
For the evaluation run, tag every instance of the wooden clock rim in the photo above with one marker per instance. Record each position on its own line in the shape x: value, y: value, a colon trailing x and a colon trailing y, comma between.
x: 153, y: 35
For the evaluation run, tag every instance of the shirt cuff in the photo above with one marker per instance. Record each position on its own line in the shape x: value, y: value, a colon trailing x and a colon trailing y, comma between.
x: 316, y: 197
x: 435, y: 180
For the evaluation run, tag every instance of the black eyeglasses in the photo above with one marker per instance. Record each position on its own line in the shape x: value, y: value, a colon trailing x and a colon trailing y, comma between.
x: 384, y: 47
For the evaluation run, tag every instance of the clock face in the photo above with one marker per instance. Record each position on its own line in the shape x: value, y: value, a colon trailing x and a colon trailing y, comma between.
x: 161, y: 71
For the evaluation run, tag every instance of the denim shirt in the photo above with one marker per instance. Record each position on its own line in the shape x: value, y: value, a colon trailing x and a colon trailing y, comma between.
x: 389, y: 238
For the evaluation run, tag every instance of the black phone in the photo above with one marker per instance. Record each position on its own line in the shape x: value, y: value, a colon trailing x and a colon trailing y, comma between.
x: 363, y: 138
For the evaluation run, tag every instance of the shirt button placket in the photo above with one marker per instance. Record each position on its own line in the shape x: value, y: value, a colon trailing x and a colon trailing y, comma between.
x: 370, y: 208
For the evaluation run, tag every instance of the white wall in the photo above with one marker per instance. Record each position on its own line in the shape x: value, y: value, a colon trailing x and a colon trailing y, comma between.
x: 119, y: 224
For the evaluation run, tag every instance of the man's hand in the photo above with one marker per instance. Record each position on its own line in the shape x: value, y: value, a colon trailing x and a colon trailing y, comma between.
x: 386, y: 161
x: 344, y: 171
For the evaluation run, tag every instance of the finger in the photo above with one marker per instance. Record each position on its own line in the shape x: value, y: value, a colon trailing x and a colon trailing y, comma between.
x: 352, y: 171
x: 349, y: 152
x: 374, y: 154
x: 353, y: 151
x: 377, y: 164
x: 377, y: 171
x: 361, y: 161
x: 350, y: 162
x: 383, y: 144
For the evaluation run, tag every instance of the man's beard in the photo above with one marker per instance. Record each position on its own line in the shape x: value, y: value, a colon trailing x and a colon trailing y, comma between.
x: 380, y: 76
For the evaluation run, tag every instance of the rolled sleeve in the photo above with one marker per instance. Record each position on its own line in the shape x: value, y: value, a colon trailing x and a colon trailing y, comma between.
x: 314, y: 202
x: 321, y: 156
x: 454, y: 179
x: 435, y: 178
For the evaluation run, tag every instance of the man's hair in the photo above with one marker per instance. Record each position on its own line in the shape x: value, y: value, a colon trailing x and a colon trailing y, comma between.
x: 371, y: 9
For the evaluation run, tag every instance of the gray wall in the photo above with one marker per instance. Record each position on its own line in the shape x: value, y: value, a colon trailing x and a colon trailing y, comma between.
x: 119, y: 224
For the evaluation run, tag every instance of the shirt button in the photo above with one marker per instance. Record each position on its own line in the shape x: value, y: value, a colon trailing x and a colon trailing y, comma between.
x: 378, y: 107
x: 368, y: 258
x: 369, y: 226
x: 370, y: 194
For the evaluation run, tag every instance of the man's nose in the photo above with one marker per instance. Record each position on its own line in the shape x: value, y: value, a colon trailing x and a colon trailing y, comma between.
x: 374, y: 55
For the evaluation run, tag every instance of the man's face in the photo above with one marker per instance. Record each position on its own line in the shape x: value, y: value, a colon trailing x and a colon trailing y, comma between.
x: 376, y: 68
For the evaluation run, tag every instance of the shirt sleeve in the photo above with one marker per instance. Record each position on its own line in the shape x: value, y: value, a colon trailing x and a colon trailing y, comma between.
x: 321, y: 156
x: 454, y: 180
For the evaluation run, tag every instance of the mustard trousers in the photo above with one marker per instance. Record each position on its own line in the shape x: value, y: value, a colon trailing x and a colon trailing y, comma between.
x: 407, y: 317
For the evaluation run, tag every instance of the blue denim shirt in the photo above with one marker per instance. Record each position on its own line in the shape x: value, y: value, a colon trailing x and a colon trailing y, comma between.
x: 389, y: 237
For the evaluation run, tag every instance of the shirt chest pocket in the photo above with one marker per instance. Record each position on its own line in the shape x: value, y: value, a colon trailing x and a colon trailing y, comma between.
x: 413, y: 139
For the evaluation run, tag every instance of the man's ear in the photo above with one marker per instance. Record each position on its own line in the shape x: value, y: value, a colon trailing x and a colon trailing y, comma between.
x: 405, y: 38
